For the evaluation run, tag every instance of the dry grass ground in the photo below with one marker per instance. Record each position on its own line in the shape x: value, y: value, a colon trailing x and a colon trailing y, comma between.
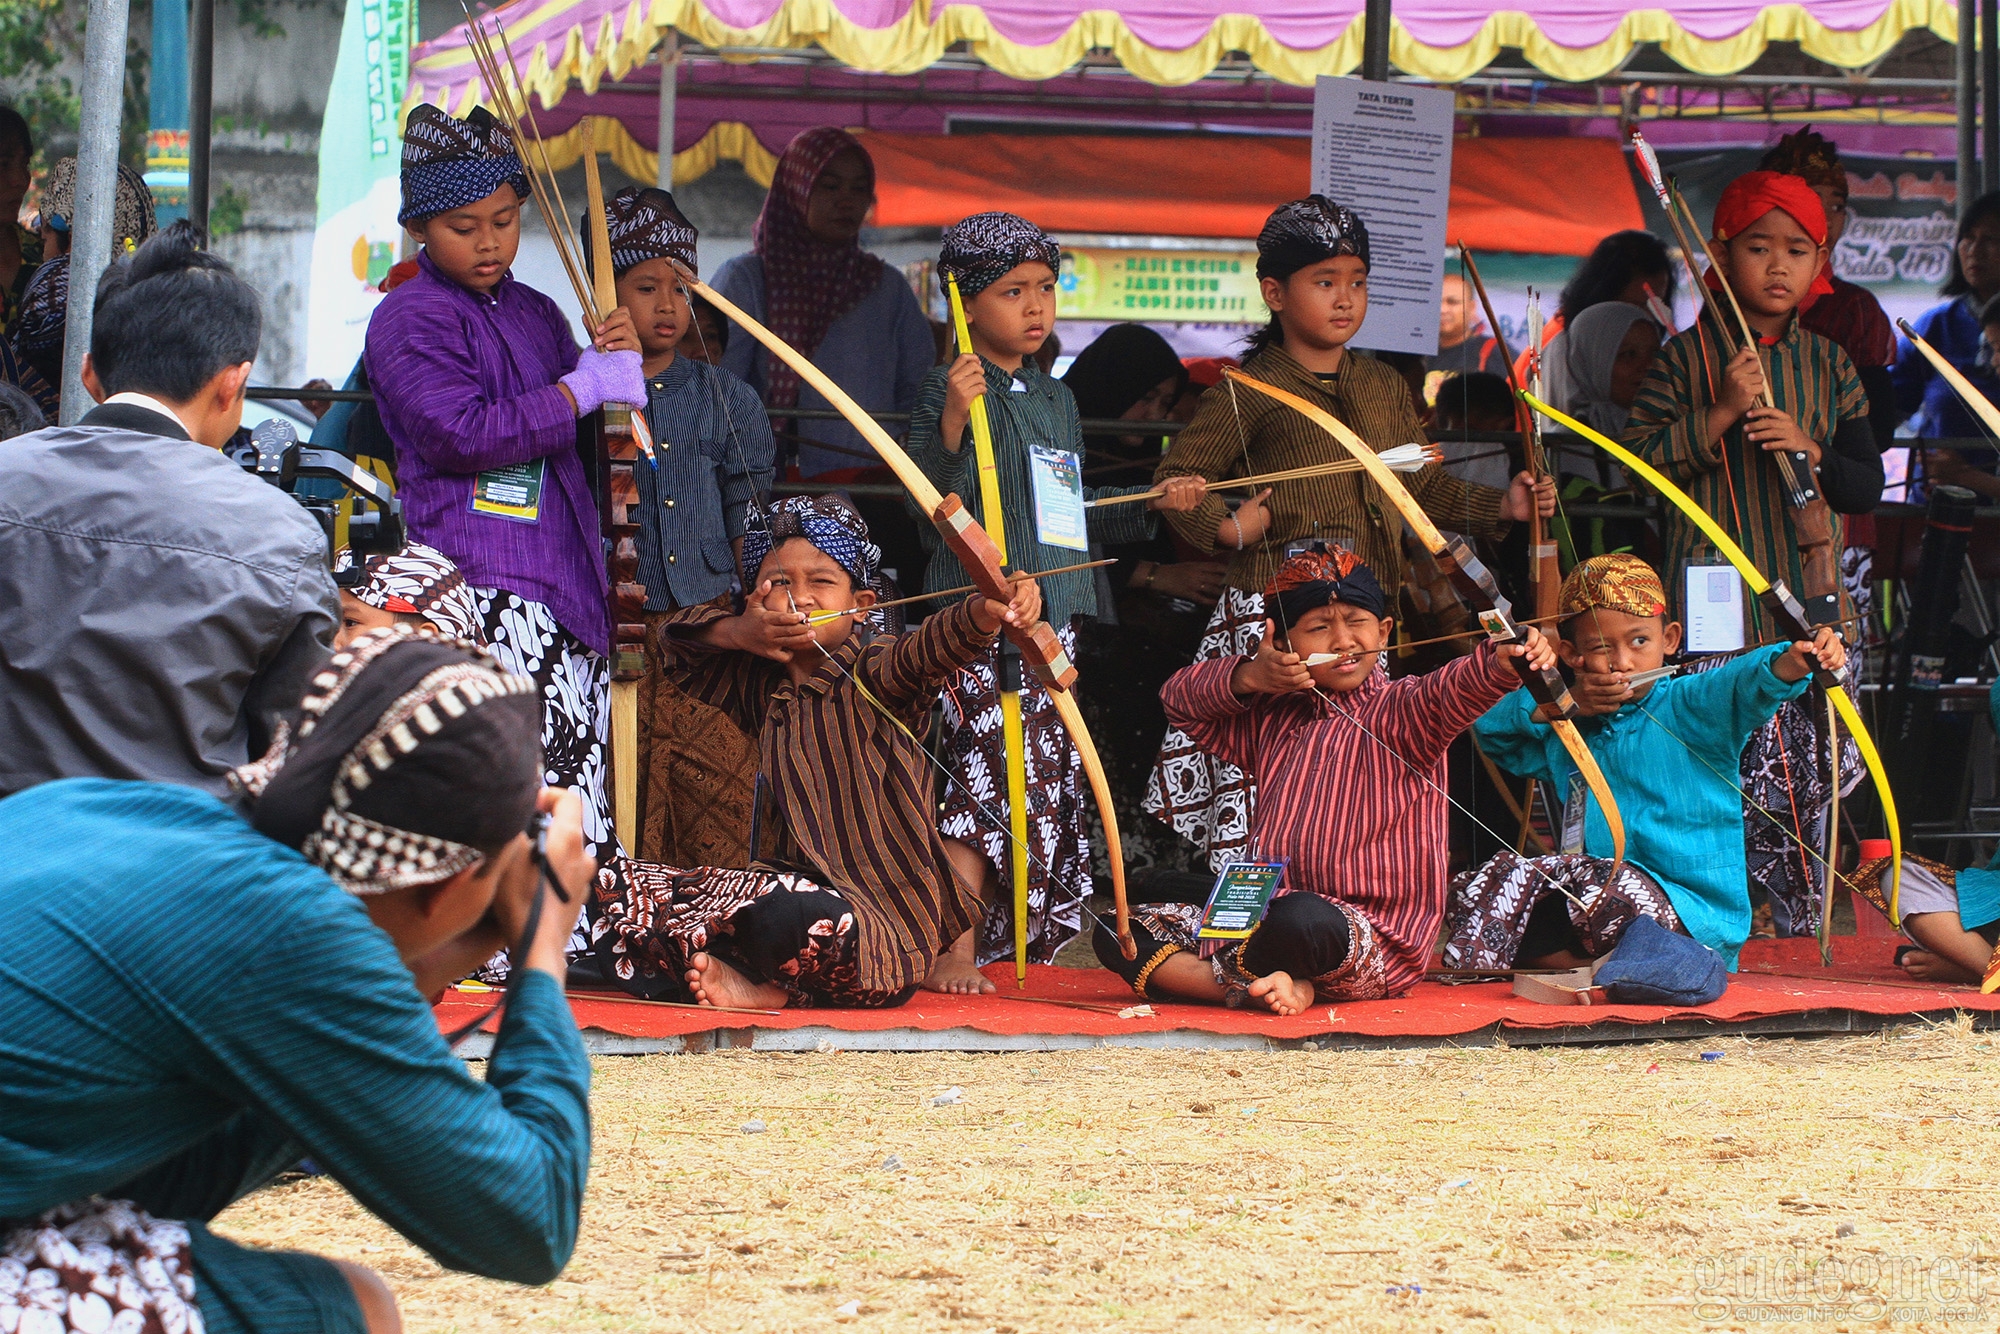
x: 1593, y: 1189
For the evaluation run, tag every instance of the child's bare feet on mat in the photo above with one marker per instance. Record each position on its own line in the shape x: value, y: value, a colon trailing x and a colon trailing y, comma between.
x: 958, y: 977
x: 1928, y: 967
x: 1282, y: 994
x: 956, y: 972
x: 716, y: 983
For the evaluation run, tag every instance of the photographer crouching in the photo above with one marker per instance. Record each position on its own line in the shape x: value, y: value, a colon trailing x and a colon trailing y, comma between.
x: 158, y: 605
x: 161, y: 1058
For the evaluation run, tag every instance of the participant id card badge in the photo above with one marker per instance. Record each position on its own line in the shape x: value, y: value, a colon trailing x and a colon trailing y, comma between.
x: 1714, y: 609
x: 1237, y: 903
x: 1059, y: 511
x: 513, y: 492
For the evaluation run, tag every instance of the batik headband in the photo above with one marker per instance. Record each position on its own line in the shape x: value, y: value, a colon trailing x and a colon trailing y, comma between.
x: 827, y: 522
x: 409, y: 727
x: 1307, y: 231
x: 647, y: 224
x: 418, y: 581
x: 982, y: 250
x: 1320, y: 575
x: 1615, y: 582
x: 449, y: 163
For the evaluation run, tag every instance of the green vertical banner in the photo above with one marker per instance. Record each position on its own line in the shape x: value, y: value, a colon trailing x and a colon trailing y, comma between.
x: 360, y: 150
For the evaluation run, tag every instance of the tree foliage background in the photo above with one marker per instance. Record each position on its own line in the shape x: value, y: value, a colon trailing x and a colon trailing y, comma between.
x: 41, y: 41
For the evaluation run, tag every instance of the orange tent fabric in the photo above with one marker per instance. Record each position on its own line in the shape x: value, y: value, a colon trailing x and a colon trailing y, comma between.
x: 1553, y: 196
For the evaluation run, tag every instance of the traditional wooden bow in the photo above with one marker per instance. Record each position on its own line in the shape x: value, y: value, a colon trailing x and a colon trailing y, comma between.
x: 1788, y: 617
x: 1475, y: 583
x: 1007, y: 666
x: 1040, y: 650
x: 1541, y: 550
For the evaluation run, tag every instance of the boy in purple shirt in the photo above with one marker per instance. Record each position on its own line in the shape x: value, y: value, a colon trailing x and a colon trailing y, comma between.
x: 480, y: 386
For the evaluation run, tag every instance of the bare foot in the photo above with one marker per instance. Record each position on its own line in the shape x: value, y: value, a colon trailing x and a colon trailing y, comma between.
x: 716, y: 983
x: 1282, y: 994
x: 958, y: 977
x: 1928, y: 967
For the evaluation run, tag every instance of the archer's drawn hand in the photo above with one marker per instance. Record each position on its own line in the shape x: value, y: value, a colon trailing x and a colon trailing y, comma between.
x: 769, y: 627
x: 1598, y: 693
x: 1273, y: 670
x: 1528, y: 495
x: 964, y: 382
x: 1020, y: 611
x: 1179, y: 494
x: 1803, y: 658
x: 618, y: 333
x: 1776, y: 432
x: 1247, y: 526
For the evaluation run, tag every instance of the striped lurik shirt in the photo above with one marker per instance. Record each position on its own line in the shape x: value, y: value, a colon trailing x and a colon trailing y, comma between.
x: 1350, y: 788
x: 854, y: 794
x: 1736, y: 481
x: 1238, y: 432
x: 1025, y: 408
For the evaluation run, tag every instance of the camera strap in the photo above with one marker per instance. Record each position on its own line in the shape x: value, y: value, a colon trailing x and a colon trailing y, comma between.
x: 545, y: 878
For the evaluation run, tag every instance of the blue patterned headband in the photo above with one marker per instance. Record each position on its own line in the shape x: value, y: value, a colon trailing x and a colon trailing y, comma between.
x: 449, y: 163
x: 828, y: 522
x: 984, y: 248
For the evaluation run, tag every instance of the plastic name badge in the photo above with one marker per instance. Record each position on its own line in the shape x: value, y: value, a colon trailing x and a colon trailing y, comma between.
x: 513, y: 492
x: 1237, y: 903
x: 1714, y: 609
x: 1059, y: 509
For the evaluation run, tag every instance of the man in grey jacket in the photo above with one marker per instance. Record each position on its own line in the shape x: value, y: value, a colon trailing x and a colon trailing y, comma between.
x: 159, y: 606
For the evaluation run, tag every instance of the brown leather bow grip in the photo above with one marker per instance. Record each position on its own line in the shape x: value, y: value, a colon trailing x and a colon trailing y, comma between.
x: 1041, y: 652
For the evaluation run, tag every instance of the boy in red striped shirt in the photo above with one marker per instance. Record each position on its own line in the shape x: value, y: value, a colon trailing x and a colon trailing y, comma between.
x: 1350, y: 771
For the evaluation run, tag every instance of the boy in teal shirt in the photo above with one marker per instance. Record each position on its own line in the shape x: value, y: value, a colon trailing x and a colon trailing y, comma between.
x: 1671, y: 751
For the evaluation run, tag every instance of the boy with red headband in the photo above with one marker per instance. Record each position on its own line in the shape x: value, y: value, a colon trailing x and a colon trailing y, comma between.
x: 1712, y: 420
x: 1716, y: 424
x: 1350, y: 770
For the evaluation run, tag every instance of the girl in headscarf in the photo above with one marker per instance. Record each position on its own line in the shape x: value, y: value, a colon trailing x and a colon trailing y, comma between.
x: 1006, y: 269
x: 1312, y: 262
x: 810, y: 282
x: 1607, y: 354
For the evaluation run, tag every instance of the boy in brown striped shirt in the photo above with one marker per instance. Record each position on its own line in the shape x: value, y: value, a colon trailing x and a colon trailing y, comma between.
x: 858, y: 898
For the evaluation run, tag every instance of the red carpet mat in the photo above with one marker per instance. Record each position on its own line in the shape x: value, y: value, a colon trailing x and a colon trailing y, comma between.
x: 1778, y: 977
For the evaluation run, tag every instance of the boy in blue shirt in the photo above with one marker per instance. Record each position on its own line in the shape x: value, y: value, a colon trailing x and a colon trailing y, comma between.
x: 1671, y: 750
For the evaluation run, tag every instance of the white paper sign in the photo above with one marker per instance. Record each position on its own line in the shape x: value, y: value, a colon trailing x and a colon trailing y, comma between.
x: 1384, y: 150
x: 1714, y: 609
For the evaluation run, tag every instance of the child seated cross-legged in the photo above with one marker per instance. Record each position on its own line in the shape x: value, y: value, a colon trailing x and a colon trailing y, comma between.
x: 860, y: 900
x: 1669, y: 749
x: 1350, y: 768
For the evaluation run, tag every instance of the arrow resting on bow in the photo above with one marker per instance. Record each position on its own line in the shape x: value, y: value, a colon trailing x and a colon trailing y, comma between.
x: 1787, y: 616
x: 1476, y: 585
x: 1041, y: 651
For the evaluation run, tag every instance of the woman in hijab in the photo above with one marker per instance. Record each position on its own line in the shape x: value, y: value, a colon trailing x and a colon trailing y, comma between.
x: 38, y: 329
x: 808, y: 279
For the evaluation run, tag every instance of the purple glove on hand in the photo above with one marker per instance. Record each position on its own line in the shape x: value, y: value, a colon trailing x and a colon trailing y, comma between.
x: 605, y: 377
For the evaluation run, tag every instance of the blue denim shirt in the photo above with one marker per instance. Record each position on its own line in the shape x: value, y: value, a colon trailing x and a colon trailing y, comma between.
x: 713, y: 459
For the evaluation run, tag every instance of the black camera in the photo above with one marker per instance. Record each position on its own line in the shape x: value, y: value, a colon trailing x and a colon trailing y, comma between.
x: 376, y: 526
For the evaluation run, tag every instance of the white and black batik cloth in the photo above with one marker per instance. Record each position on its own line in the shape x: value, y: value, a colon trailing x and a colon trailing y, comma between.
x: 575, y: 685
x: 985, y: 247
x: 1203, y: 799
x: 1487, y: 912
x: 1787, y: 798
x: 974, y: 807
x: 97, y: 1267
